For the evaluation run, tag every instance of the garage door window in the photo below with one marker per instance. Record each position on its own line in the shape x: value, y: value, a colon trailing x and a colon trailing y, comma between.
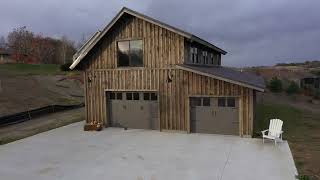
x: 119, y: 96
x: 221, y: 102
x: 206, y: 101
x: 146, y: 96
x: 129, y: 96
x: 135, y: 96
x: 195, y: 102
x: 154, y: 97
x: 150, y: 96
x: 231, y: 102
x: 112, y: 96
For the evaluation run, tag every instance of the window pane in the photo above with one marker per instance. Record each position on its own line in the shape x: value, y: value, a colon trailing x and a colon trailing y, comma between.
x: 129, y: 96
x: 231, y: 102
x: 206, y: 101
x: 112, y: 96
x: 221, y: 102
x: 195, y: 102
x: 136, y: 53
x: 135, y: 96
x: 154, y: 97
x: 123, y: 53
x: 119, y: 96
x: 146, y: 96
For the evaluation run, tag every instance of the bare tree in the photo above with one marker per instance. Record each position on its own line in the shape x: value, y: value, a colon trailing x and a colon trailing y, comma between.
x: 20, y: 42
x: 43, y: 49
x: 3, y: 44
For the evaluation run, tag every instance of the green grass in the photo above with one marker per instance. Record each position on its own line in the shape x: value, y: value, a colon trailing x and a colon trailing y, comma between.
x: 32, y: 69
x: 290, y: 115
x: 300, y: 129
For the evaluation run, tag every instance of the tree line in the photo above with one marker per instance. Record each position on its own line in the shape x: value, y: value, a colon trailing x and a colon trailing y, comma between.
x: 26, y: 46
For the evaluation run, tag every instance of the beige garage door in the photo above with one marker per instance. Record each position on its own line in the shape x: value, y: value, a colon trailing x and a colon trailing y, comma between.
x: 136, y: 110
x: 214, y: 115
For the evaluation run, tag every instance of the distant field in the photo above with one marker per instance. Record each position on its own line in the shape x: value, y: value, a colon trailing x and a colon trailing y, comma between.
x: 301, y: 129
x: 32, y: 69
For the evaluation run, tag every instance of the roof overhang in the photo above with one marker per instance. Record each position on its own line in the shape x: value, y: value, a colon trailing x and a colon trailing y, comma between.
x: 221, y: 78
x: 83, y: 51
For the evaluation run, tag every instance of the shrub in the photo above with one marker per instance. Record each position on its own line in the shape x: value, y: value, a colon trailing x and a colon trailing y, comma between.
x: 275, y: 85
x: 65, y: 67
x: 293, y: 88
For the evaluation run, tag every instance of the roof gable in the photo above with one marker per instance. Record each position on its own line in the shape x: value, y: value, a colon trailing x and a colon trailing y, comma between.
x: 85, y: 49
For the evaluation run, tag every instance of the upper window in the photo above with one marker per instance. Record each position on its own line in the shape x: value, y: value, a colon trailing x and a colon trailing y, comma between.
x: 130, y: 53
x: 205, y: 57
x: 194, y: 55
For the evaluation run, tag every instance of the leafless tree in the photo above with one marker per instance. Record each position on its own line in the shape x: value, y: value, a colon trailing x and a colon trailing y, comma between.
x: 3, y: 44
x: 20, y: 41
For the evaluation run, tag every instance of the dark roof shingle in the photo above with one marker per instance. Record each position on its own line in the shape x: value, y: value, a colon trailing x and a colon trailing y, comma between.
x: 228, y: 74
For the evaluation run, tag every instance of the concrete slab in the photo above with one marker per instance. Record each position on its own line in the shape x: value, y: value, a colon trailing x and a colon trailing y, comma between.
x: 70, y: 153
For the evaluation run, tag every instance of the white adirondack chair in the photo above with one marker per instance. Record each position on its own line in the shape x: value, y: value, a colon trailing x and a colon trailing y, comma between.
x: 274, y: 131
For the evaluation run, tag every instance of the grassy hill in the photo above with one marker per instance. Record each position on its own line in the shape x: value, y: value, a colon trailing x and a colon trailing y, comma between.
x: 301, y: 127
x: 25, y: 86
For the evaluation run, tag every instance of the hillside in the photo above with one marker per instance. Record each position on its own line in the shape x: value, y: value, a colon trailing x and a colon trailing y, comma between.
x: 24, y: 87
x: 290, y: 71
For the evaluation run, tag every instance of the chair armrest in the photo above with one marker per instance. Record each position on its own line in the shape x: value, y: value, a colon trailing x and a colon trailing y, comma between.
x: 264, y: 131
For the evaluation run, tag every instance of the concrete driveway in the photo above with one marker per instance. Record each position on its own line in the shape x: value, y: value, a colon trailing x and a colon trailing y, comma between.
x: 69, y: 153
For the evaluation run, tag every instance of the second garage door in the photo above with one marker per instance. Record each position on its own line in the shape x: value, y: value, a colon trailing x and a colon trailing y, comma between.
x: 218, y: 115
x: 136, y: 110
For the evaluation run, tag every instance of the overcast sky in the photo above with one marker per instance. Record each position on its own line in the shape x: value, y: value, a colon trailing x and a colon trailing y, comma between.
x: 253, y: 32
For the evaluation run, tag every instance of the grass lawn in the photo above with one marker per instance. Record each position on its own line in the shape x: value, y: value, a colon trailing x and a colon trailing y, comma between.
x: 301, y: 129
x: 33, y: 69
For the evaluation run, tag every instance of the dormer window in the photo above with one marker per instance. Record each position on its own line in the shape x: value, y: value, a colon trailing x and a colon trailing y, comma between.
x: 194, y: 55
x: 205, y: 57
x: 130, y: 53
x: 211, y: 58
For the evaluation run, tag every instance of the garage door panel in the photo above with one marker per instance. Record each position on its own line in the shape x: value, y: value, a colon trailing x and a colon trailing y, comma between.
x: 133, y: 111
x: 215, y: 118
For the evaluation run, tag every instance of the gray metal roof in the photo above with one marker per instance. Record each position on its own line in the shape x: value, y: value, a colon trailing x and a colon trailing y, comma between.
x: 228, y: 74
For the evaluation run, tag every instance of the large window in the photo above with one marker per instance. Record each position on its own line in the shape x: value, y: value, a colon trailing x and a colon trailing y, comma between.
x: 130, y: 53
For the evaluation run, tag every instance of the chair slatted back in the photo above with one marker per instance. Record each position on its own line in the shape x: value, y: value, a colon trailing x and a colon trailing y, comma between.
x: 275, y: 127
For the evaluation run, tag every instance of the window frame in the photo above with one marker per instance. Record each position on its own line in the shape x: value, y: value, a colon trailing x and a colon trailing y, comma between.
x: 131, y: 39
x: 194, y: 55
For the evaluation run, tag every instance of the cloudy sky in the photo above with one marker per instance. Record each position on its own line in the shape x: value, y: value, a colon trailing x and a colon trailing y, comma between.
x: 254, y: 32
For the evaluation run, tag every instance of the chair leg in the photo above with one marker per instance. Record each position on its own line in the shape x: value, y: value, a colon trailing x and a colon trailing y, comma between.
x: 263, y: 140
x: 275, y: 142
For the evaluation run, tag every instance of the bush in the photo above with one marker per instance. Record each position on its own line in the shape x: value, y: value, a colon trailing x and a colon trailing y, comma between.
x: 275, y: 85
x: 293, y: 88
x: 65, y: 67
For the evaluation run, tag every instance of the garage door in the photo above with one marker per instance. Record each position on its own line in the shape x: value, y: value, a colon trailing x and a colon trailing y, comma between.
x: 214, y: 115
x: 136, y: 110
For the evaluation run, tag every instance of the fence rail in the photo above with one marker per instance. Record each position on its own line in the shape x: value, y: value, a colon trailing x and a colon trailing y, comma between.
x: 34, y: 113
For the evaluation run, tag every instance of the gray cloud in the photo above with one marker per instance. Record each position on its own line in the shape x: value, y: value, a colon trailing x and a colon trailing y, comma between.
x: 253, y: 32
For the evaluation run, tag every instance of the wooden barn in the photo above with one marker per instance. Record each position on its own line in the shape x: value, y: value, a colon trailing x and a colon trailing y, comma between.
x: 144, y: 74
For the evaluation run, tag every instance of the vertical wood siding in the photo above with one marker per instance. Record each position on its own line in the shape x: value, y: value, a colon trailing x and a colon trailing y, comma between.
x: 173, y: 97
x: 161, y: 48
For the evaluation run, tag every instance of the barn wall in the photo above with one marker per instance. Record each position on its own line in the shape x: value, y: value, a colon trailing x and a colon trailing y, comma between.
x: 174, y: 96
x: 161, y: 48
